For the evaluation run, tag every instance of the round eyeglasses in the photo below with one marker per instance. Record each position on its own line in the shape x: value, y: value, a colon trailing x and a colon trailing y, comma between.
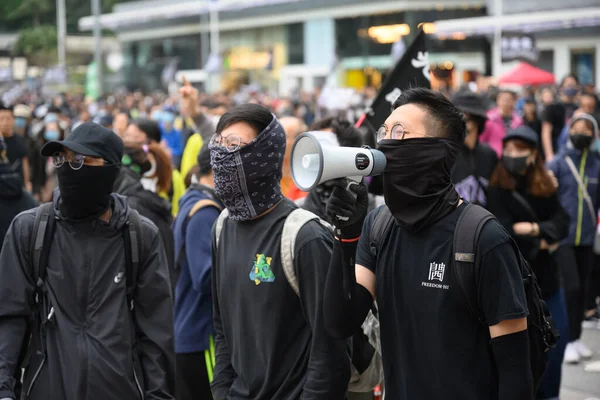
x: 397, y: 132
x: 230, y: 142
x: 75, y: 161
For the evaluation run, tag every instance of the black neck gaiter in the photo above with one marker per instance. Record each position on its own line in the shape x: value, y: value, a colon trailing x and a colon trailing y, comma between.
x: 85, y: 193
x: 416, y: 183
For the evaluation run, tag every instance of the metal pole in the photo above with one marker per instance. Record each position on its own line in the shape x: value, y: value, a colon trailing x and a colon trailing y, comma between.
x: 214, y: 40
x: 204, y: 41
x: 497, y: 47
x: 97, y: 44
x: 61, y: 22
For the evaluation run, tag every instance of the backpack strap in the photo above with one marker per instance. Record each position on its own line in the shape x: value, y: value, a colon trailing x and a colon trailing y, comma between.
x: 131, y: 237
x: 219, y: 225
x: 195, y: 208
x: 43, y: 230
x: 380, y: 229
x: 466, y: 266
x: 292, y: 225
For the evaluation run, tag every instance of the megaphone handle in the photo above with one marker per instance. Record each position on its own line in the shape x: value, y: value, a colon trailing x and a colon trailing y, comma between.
x: 353, y: 180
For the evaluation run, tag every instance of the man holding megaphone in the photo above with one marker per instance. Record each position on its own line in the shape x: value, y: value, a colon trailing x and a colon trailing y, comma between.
x: 433, y: 346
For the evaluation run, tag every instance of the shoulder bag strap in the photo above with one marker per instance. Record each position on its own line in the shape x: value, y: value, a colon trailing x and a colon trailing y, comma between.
x: 521, y: 200
x: 582, y: 187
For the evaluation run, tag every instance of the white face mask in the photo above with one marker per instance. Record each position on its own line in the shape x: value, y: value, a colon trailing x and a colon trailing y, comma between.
x: 148, y: 181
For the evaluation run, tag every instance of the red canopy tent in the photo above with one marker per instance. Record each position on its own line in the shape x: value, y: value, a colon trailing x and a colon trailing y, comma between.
x: 525, y: 74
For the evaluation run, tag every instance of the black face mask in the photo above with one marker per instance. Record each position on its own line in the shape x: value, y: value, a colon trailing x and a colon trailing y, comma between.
x: 581, y: 141
x: 85, y: 193
x: 416, y: 183
x: 517, y: 166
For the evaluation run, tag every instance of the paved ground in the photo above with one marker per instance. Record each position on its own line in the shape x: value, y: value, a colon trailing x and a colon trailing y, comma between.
x: 582, y: 382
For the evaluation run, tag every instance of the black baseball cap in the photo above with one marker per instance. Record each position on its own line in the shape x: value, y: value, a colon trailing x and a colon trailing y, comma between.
x: 89, y: 139
x: 524, y: 133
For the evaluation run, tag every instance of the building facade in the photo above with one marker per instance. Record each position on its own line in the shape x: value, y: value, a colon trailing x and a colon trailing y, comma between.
x: 286, y: 45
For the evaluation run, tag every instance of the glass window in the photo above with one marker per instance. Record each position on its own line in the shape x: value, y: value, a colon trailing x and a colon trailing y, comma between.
x: 583, y: 65
x: 295, y: 43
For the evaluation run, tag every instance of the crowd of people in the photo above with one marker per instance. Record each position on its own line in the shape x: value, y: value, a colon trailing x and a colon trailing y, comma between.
x: 156, y: 247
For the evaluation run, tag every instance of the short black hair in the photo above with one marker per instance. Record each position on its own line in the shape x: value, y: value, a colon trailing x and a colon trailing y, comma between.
x: 4, y: 107
x: 446, y: 120
x: 575, y: 78
x: 347, y: 134
x: 150, y: 128
x: 507, y: 91
x: 590, y: 95
x: 255, y: 115
x: 204, y: 167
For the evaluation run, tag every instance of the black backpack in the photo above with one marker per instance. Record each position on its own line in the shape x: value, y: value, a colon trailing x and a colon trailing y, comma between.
x: 543, y: 335
x: 43, y: 232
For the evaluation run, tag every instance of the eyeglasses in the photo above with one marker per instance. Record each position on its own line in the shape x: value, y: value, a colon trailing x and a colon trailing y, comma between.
x: 75, y: 162
x: 231, y: 142
x: 397, y: 132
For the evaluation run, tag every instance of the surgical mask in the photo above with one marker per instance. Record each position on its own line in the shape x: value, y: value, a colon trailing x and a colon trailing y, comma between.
x: 581, y: 141
x: 247, y: 180
x: 570, y: 91
x: 51, y: 135
x: 517, y: 166
x: 417, y: 186
x: 20, y: 123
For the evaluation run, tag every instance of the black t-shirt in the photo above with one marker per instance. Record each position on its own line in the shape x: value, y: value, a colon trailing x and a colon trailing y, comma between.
x: 556, y: 115
x: 16, y: 150
x: 432, y: 346
x: 271, y: 343
x: 472, y: 171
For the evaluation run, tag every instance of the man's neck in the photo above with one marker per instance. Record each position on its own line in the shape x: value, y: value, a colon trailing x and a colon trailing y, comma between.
x: 506, y: 114
x: 7, y: 135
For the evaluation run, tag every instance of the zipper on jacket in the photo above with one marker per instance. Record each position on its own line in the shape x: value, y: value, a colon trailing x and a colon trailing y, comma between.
x: 84, y: 345
x: 580, y: 198
x: 35, y: 376
x: 137, y: 383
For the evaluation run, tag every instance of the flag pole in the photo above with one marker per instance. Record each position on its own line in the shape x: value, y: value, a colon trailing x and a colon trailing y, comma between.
x: 360, y: 120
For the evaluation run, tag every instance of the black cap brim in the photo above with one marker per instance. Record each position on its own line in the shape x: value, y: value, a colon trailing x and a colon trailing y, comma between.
x: 52, y: 147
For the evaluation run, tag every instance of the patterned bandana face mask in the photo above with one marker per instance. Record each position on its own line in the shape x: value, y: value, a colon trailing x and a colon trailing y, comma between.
x: 247, y: 180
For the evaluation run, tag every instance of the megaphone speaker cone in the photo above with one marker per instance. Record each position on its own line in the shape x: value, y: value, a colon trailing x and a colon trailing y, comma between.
x: 315, y: 161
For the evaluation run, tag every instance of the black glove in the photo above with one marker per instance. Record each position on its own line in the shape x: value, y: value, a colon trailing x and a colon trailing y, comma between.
x: 343, y: 204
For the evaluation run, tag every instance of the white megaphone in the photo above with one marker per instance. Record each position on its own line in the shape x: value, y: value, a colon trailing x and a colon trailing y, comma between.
x: 317, y: 158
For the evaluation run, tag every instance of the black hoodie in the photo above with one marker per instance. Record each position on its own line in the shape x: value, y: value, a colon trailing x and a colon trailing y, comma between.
x: 13, y: 199
x: 149, y: 205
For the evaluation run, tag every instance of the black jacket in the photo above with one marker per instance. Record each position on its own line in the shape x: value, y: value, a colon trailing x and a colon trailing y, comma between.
x: 13, y: 199
x: 89, y: 352
x: 149, y: 205
x: 554, y: 226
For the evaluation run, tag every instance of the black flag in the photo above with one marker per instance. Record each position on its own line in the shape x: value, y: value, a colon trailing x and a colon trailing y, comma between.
x: 411, y: 71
